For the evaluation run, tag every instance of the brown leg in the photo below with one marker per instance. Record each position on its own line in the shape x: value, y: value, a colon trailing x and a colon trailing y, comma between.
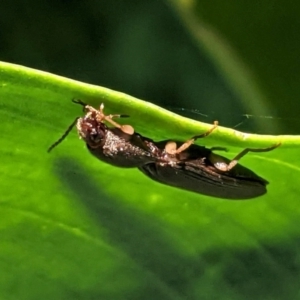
x: 191, y: 141
x: 117, y: 116
x: 235, y: 160
x: 125, y: 128
x: 218, y: 149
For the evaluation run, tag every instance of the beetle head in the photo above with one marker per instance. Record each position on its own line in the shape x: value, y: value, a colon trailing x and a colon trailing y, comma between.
x: 91, y: 127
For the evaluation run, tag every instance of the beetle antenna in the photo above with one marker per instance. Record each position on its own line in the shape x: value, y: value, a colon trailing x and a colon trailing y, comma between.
x: 63, y: 136
x: 78, y: 101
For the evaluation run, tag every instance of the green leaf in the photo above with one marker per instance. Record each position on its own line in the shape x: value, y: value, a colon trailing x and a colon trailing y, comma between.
x: 246, y: 44
x: 73, y: 227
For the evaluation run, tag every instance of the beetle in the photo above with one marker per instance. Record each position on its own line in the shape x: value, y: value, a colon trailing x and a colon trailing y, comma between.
x: 180, y: 164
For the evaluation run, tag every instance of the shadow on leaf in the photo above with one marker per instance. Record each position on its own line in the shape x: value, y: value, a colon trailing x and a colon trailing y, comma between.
x: 146, y: 240
x: 228, y: 273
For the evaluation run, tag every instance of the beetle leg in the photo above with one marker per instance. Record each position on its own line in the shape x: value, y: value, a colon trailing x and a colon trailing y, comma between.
x: 218, y: 149
x: 227, y: 167
x: 125, y: 128
x: 171, y: 147
x: 117, y: 116
x: 109, y: 118
x: 191, y: 141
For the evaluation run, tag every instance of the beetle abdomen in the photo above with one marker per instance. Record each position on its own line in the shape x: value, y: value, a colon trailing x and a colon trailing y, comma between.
x: 207, y: 181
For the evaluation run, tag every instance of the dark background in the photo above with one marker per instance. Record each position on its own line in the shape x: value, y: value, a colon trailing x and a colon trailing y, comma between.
x: 142, y: 48
x: 209, y: 247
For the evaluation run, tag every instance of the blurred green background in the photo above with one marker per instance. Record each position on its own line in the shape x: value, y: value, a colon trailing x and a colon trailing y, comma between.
x: 209, y: 60
x: 144, y: 48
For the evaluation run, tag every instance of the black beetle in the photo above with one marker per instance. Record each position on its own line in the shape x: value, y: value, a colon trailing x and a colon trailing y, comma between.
x: 179, y: 164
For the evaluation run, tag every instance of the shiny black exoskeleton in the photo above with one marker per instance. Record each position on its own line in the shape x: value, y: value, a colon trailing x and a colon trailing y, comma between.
x: 179, y: 164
